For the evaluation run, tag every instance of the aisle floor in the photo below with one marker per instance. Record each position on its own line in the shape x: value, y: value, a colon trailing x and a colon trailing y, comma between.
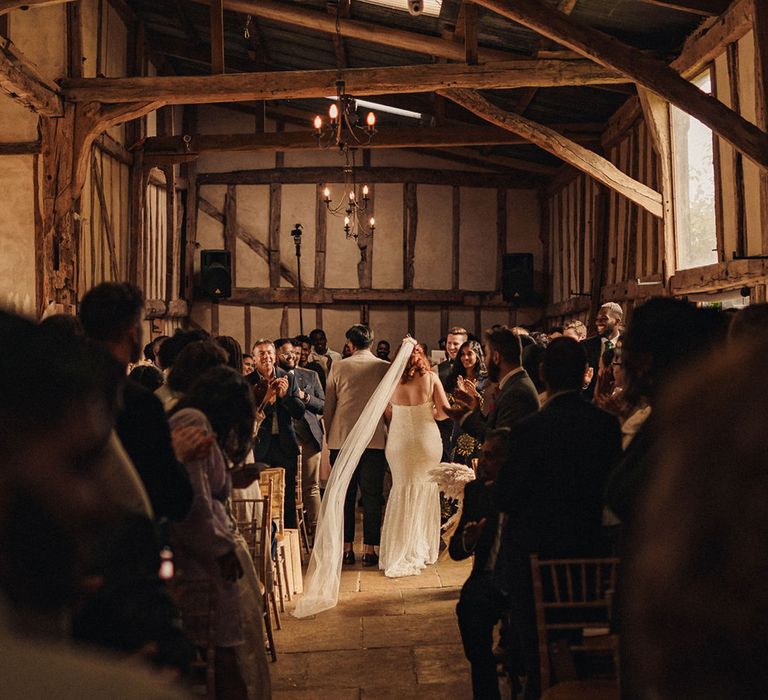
x: 387, y: 638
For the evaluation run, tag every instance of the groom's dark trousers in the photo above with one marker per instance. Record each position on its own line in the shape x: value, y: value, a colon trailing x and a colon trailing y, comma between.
x: 369, y: 476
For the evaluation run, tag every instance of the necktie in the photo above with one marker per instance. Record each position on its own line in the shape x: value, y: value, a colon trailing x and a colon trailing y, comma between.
x: 608, y: 345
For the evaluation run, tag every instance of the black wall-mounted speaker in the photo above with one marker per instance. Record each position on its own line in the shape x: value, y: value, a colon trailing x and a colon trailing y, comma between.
x: 216, y: 273
x: 517, y: 277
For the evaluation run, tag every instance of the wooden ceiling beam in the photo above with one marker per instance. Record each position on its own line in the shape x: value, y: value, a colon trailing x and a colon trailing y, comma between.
x: 707, y: 8
x: 217, y: 36
x: 8, y: 5
x: 572, y: 153
x: 20, y: 80
x: 369, y: 32
x: 642, y: 69
x: 401, y: 137
x: 279, y: 85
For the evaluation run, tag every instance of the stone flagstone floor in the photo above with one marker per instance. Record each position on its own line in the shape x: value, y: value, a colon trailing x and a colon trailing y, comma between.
x: 387, y: 638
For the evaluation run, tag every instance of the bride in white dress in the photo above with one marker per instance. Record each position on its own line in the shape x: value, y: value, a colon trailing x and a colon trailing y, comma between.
x: 402, y: 545
x: 410, y: 536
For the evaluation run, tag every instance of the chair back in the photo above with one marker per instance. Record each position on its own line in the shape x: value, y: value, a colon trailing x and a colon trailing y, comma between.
x: 255, y: 529
x: 573, y: 602
x: 299, y: 486
x: 272, y: 480
x: 196, y: 601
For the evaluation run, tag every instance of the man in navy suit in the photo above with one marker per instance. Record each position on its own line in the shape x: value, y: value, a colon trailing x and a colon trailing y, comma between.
x: 309, y: 429
x: 276, y: 442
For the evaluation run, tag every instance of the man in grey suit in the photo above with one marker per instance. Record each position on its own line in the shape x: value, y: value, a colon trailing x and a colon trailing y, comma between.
x: 350, y: 384
x: 309, y: 429
x: 516, y: 397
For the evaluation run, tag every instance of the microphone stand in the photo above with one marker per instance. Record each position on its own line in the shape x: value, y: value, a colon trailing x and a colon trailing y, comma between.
x: 296, y: 233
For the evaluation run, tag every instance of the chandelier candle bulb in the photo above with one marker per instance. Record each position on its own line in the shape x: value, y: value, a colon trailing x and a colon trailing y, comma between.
x: 318, y: 123
x: 326, y: 195
x: 365, y: 192
x: 333, y: 113
x: 370, y: 120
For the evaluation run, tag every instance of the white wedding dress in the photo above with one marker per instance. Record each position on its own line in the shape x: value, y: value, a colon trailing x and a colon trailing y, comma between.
x: 410, y: 536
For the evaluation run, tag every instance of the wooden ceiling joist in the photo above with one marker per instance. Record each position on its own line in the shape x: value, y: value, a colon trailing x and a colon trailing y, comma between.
x: 579, y: 157
x: 706, y: 8
x: 21, y: 81
x: 242, y: 87
x: 8, y: 5
x: 369, y: 32
x: 386, y: 137
x: 644, y: 70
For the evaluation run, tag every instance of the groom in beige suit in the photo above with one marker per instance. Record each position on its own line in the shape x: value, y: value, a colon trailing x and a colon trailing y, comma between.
x: 350, y: 384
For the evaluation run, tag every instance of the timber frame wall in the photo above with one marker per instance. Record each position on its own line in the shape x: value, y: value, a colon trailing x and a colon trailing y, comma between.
x: 615, y: 251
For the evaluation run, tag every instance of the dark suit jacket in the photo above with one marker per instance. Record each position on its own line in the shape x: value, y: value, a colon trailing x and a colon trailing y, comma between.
x: 593, y: 346
x: 142, y: 427
x: 309, y: 382
x: 551, y: 486
x: 444, y: 370
x: 287, y: 408
x: 318, y: 369
x: 516, y: 400
x: 478, y: 503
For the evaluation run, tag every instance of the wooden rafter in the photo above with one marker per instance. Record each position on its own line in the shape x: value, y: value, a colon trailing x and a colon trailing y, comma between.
x: 644, y: 70
x: 386, y: 137
x: 370, y: 32
x: 579, y: 157
x: 8, y: 5
x: 707, y: 8
x: 217, y: 36
x: 21, y: 81
x: 280, y: 85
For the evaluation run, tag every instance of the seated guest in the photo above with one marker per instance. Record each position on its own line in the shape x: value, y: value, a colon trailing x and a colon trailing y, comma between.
x: 167, y: 353
x: 277, y: 395
x: 482, y: 603
x: 550, y: 488
x: 55, y: 426
x: 694, y: 596
x: 193, y: 360
x: 220, y: 402
x: 470, y: 367
x: 148, y: 376
x: 111, y: 314
x: 233, y: 349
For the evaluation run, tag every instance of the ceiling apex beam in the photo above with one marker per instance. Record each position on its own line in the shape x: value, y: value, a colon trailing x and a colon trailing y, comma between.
x: 278, y: 85
x: 21, y: 81
x: 707, y: 8
x: 579, y: 157
x: 370, y: 32
x: 644, y: 70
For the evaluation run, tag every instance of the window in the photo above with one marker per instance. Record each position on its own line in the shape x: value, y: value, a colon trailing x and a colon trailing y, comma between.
x: 694, y: 184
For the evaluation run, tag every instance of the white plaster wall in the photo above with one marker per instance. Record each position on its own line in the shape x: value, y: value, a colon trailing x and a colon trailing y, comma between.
x: 388, y: 241
x: 336, y: 321
x: 428, y: 326
x: 298, y: 206
x: 342, y: 254
x: 265, y: 322
x: 210, y: 232
x: 406, y: 158
x: 432, y: 259
x: 389, y: 323
x: 17, y: 234
x: 252, y: 215
x: 477, y: 269
x: 524, y: 225
x: 17, y: 123
x: 462, y: 317
x: 38, y: 32
x: 231, y: 322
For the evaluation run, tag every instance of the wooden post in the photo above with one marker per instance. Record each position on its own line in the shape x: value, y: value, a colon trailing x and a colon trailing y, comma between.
x: 230, y: 228
x: 760, y: 31
x: 248, y: 331
x: 217, y: 36
x: 470, y: 33
x: 74, y: 40
x: 320, y: 236
x: 602, y: 216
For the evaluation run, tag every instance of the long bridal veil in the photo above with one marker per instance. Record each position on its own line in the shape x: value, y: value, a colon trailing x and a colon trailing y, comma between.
x: 321, y: 584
